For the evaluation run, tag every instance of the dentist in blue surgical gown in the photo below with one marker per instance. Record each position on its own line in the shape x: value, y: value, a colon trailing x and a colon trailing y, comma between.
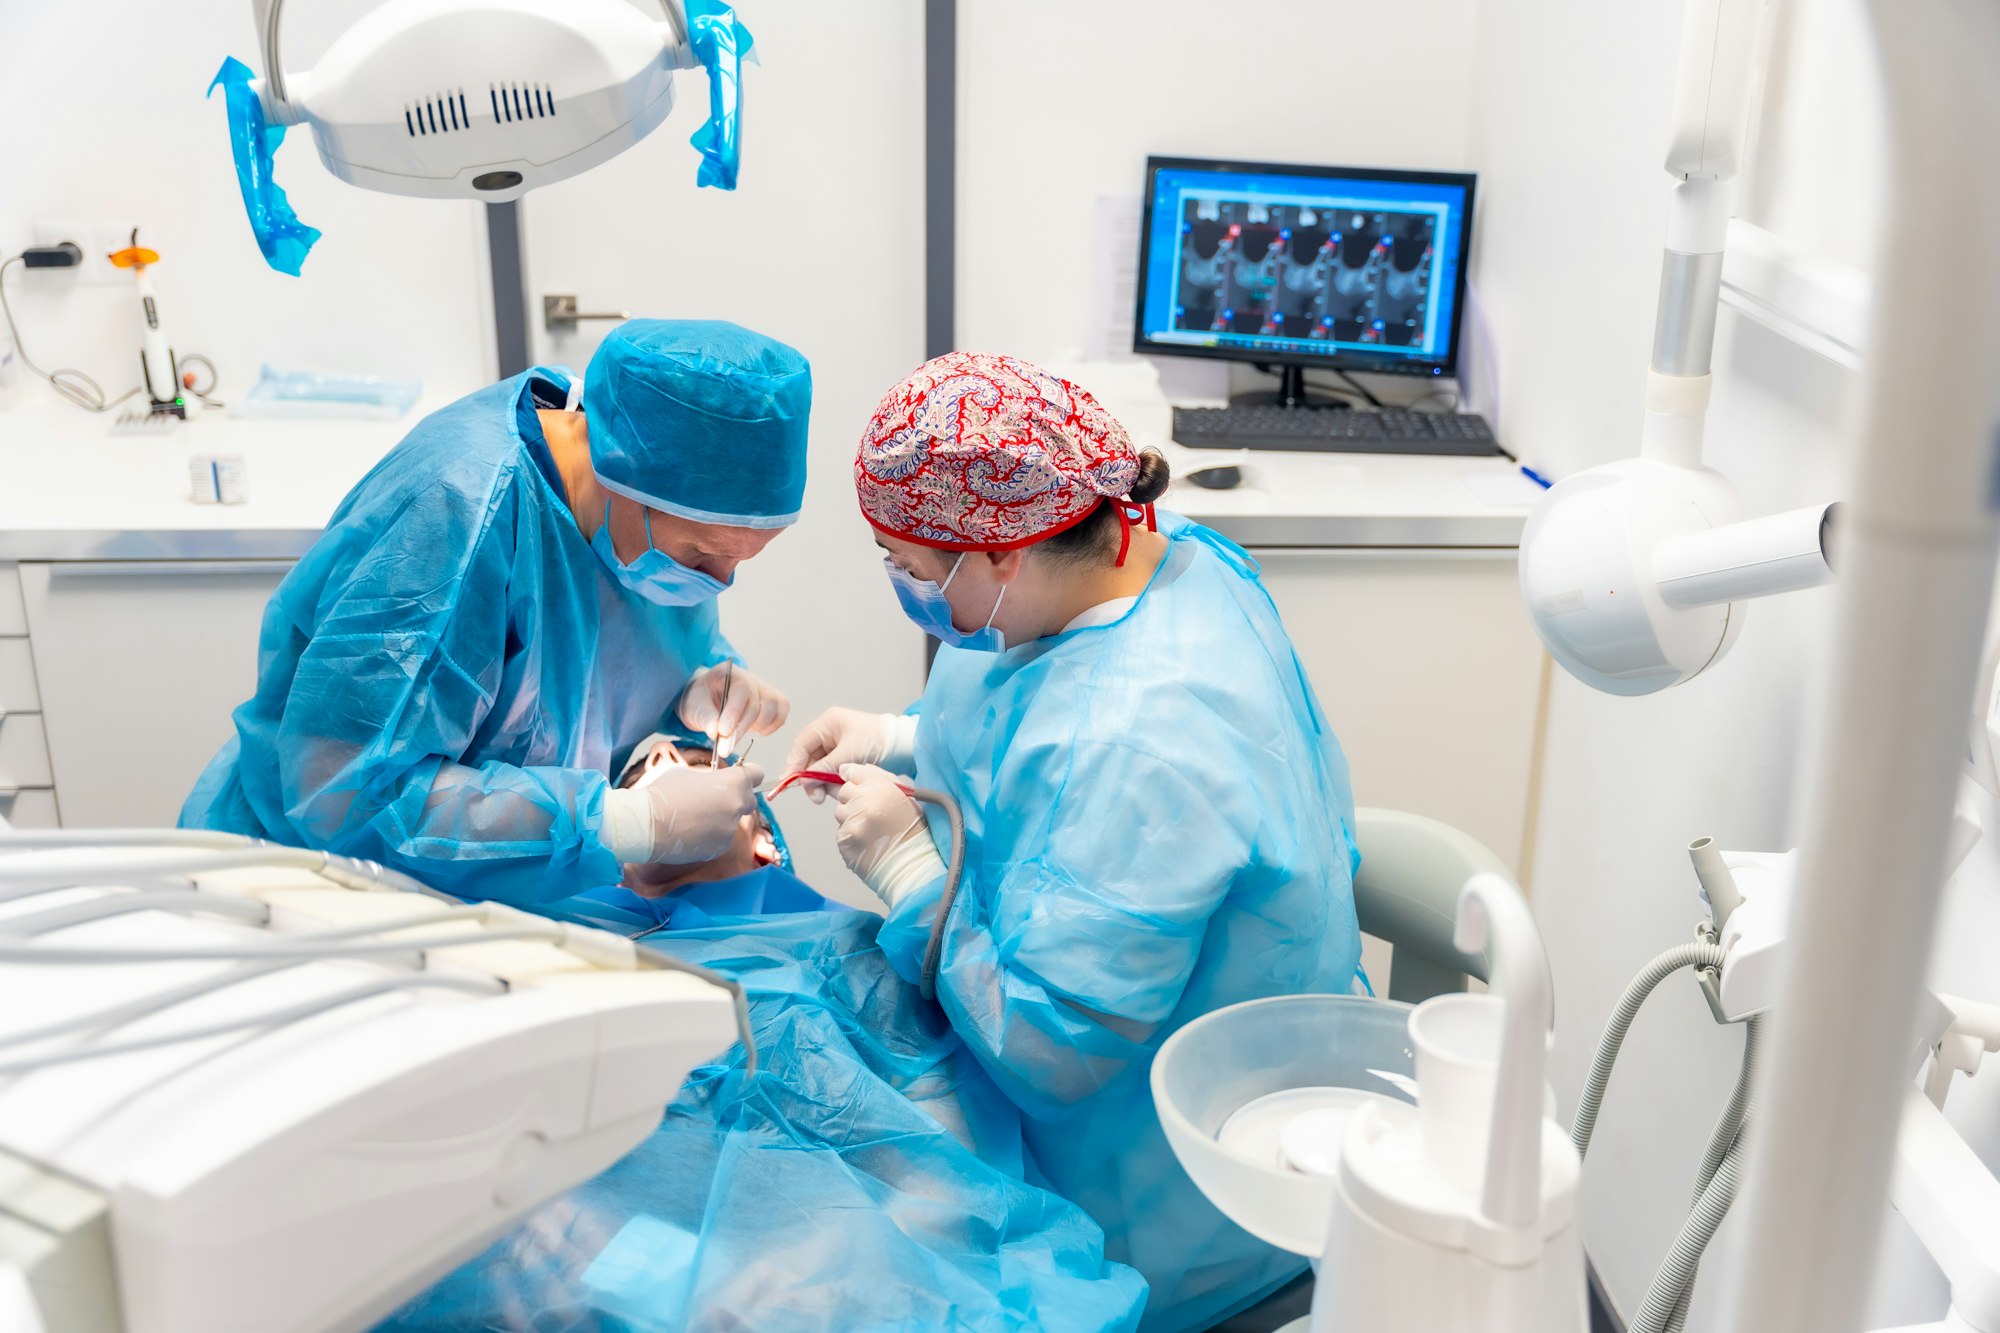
x: 1157, y: 816
x: 513, y: 598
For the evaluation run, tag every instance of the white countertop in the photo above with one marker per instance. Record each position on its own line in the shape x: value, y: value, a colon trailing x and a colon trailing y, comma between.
x: 1356, y: 499
x: 1307, y: 499
x: 71, y: 489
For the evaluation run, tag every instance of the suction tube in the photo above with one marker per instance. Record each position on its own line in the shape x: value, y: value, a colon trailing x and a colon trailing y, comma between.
x: 1718, y: 883
x: 1725, y: 1141
x: 954, y: 868
x: 954, y: 872
x: 1643, y: 985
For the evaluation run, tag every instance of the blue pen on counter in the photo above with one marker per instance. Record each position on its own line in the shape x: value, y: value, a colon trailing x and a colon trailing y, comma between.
x: 1535, y: 477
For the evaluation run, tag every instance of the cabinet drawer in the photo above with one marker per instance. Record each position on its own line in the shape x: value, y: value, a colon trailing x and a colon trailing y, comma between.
x: 32, y: 808
x: 17, y: 678
x: 24, y: 752
x: 13, y: 611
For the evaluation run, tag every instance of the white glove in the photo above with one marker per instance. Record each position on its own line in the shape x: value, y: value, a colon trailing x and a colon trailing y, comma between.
x: 684, y: 815
x: 842, y: 736
x: 750, y: 705
x: 883, y: 836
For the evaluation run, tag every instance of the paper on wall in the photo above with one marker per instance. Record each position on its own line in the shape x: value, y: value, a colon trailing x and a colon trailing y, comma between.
x: 1114, y: 275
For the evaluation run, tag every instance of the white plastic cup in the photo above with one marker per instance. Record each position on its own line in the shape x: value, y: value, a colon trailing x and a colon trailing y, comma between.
x: 1457, y: 1040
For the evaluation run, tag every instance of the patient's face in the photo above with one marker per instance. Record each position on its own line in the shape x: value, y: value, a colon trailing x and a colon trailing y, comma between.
x: 752, y: 848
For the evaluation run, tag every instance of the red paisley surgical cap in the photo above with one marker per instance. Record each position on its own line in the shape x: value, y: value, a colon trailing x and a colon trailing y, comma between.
x: 976, y: 452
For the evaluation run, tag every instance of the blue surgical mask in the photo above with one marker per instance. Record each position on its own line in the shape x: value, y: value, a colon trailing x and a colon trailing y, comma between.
x: 654, y: 574
x: 924, y: 603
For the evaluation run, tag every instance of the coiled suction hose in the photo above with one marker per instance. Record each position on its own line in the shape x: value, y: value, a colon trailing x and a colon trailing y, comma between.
x: 1665, y: 1306
x: 1668, y: 963
x: 1724, y: 1148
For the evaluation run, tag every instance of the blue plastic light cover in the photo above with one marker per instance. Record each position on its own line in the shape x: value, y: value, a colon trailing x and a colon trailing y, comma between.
x: 721, y: 44
x: 280, y: 235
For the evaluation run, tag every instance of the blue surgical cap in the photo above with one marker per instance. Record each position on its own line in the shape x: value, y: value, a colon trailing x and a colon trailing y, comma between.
x: 700, y: 418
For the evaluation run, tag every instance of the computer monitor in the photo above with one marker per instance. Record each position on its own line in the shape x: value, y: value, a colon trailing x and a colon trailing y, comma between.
x: 1347, y: 268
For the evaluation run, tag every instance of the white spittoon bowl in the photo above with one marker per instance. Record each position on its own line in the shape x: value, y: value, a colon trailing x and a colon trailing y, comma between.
x: 1251, y: 1094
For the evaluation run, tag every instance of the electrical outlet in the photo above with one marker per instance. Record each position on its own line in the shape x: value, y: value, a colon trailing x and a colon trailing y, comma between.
x: 97, y: 240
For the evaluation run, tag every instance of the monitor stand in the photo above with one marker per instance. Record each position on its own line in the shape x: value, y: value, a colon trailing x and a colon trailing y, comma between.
x: 1291, y: 392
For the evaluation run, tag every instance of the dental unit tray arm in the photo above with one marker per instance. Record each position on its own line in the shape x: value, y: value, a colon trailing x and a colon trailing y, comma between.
x: 345, y: 1086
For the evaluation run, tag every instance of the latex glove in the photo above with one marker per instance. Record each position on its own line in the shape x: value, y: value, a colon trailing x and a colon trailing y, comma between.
x: 749, y: 706
x: 842, y: 736
x: 882, y: 833
x: 684, y: 815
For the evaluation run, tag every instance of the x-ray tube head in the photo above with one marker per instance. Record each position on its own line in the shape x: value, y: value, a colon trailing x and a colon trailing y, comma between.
x: 1635, y: 574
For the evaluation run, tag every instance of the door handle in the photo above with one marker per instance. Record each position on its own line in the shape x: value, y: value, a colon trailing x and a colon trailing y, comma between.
x: 560, y: 315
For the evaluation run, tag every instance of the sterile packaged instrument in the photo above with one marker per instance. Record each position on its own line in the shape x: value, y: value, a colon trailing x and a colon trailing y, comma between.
x: 247, y: 1088
x: 218, y: 479
x: 300, y: 394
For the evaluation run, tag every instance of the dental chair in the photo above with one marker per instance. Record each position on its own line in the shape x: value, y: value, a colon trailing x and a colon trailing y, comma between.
x: 1405, y: 894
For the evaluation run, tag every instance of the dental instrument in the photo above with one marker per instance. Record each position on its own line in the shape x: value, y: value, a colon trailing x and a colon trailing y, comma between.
x: 722, y: 739
x: 159, y: 373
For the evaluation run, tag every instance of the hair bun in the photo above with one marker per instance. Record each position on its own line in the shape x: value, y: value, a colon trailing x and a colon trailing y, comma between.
x: 1154, y: 474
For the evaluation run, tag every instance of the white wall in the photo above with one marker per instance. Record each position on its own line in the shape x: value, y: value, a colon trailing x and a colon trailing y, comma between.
x: 107, y: 124
x: 1819, y: 138
x: 1059, y: 102
x: 1570, y: 119
x: 820, y: 245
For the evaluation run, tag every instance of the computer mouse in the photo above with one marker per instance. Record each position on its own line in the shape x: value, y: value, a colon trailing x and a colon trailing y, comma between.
x: 1222, y: 478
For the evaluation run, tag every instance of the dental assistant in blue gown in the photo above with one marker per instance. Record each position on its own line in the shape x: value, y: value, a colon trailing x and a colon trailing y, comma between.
x: 513, y: 598
x: 1158, y: 819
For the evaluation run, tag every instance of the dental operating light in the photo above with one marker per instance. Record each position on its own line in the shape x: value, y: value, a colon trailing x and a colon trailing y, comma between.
x: 478, y: 99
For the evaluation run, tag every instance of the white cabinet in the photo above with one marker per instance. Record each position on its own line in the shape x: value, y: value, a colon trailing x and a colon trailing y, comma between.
x: 139, y: 665
x: 28, y: 808
x: 27, y: 797
x: 18, y: 692
x: 1429, y: 672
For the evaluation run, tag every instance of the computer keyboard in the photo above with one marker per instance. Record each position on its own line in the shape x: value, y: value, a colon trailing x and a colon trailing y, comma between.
x: 1334, y: 430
